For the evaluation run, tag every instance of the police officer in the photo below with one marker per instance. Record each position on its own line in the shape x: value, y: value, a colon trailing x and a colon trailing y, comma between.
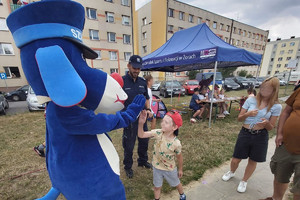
x: 134, y: 85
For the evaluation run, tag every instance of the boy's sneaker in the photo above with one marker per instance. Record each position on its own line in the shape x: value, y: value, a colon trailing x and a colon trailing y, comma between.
x: 182, y: 197
x: 193, y: 120
x: 228, y: 175
x: 226, y: 112
x: 39, y: 152
x: 242, y: 187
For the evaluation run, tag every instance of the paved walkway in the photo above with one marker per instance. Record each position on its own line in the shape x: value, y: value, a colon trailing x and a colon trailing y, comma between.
x: 212, y: 187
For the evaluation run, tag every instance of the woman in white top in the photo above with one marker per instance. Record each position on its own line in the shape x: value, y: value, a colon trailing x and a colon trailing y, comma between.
x: 149, y: 80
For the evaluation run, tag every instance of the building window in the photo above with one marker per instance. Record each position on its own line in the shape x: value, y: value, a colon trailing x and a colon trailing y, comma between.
x: 239, y: 31
x: 191, y: 18
x: 226, y: 39
x: 177, y: 73
x: 285, y: 65
x: 144, y: 35
x: 257, y: 36
x: 109, y: 1
x: 94, y: 34
x: 144, y: 20
x: 125, y: 2
x: 127, y: 56
x: 234, y: 29
x: 283, y: 45
x: 91, y: 13
x: 278, y: 65
x: 6, y: 49
x: 281, y: 52
x: 180, y: 28
x: 227, y: 28
x: 231, y: 41
x: 113, y: 70
x: 215, y: 25
x: 249, y: 34
x: 145, y: 49
x: 237, y: 43
x: 126, y: 39
x: 110, y: 17
x: 280, y: 59
x: 125, y: 20
x: 272, y: 59
x: 199, y: 20
x: 288, y: 58
x: 99, y: 54
x: 244, y: 33
x: 170, y: 28
x: 221, y: 26
x: 3, y: 26
x: 290, y: 51
x: 12, y: 72
x: 181, y: 15
x: 207, y: 22
x: 171, y: 12
x: 292, y: 44
x: 113, y: 55
x: 253, y: 36
x: 111, y: 36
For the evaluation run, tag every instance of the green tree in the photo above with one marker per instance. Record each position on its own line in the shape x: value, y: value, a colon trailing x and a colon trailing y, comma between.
x: 227, y: 72
x: 192, y: 74
x: 249, y: 76
x: 243, y: 73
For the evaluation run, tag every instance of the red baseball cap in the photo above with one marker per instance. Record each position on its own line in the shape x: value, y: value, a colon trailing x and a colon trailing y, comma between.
x: 176, y: 118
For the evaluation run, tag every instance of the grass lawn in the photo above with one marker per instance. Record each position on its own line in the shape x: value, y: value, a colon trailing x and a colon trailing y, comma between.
x: 23, y: 174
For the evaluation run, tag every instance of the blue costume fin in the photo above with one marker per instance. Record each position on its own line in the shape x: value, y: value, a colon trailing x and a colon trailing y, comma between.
x: 51, y: 195
x: 62, y: 82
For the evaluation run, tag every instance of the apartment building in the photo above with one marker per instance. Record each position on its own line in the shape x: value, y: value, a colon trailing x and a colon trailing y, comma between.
x: 157, y: 21
x: 10, y: 62
x: 108, y: 30
x: 278, y: 54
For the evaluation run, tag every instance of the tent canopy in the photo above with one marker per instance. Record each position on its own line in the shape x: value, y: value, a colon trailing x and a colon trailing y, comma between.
x: 197, y: 48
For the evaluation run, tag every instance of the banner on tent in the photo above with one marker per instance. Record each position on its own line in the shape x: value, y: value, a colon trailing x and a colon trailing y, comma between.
x: 185, y: 57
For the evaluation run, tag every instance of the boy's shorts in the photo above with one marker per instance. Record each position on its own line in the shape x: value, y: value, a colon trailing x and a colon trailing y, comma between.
x: 253, y: 146
x: 283, y: 165
x: 170, y: 176
x: 196, y: 107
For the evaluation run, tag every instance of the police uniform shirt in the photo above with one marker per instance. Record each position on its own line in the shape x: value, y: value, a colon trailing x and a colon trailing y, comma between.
x: 134, y: 88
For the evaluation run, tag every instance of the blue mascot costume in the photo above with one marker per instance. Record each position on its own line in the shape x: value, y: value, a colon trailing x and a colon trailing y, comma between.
x: 81, y: 160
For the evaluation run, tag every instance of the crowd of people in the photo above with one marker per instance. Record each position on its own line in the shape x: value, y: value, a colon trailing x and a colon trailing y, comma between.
x: 258, y: 112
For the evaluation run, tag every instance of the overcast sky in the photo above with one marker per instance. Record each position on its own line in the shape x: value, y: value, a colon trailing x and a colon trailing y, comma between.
x: 280, y: 17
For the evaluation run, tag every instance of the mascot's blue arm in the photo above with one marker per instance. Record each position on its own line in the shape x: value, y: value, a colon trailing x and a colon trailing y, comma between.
x: 80, y: 121
x: 51, y: 195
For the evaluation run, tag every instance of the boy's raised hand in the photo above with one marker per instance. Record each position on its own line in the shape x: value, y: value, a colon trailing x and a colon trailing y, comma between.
x: 143, y: 117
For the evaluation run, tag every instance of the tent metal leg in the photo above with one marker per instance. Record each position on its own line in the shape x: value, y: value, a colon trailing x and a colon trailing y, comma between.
x: 212, y: 94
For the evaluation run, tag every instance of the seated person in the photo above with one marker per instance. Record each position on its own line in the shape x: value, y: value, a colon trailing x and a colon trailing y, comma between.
x: 251, y: 93
x: 223, y: 105
x: 195, y: 105
x: 203, y: 96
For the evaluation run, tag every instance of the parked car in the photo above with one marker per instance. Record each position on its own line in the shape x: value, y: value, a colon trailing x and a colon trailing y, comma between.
x: 243, y: 82
x: 207, y: 75
x: 282, y: 82
x: 19, y: 94
x: 3, y: 104
x: 230, y: 84
x: 32, y: 101
x: 256, y: 83
x: 167, y: 86
x: 190, y: 85
x: 155, y: 86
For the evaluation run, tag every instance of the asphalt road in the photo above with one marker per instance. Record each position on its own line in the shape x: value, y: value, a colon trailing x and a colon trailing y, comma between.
x: 16, y: 107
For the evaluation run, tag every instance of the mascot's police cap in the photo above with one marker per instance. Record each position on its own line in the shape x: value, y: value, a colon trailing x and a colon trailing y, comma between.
x: 49, y: 19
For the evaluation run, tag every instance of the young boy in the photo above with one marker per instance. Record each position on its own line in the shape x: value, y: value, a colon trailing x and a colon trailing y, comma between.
x: 166, y: 147
x: 195, y: 105
x: 223, y: 105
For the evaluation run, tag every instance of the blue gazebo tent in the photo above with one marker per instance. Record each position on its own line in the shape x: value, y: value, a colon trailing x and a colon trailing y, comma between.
x: 197, y: 48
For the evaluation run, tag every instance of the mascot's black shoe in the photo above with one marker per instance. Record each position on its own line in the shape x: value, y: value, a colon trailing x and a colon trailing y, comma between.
x: 129, y: 173
x: 146, y: 165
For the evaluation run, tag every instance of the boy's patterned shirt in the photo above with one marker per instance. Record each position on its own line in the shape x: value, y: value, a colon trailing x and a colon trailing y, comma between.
x: 165, y: 151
